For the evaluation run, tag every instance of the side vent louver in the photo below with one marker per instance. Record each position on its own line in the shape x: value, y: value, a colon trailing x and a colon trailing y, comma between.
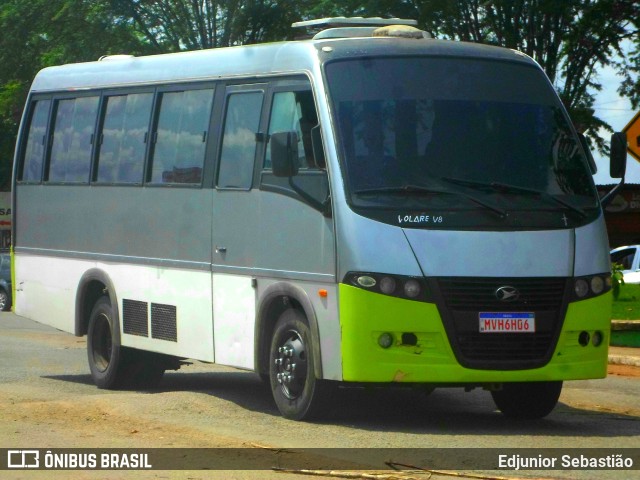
x: 135, y: 317
x: 164, y: 322
x: 135, y: 320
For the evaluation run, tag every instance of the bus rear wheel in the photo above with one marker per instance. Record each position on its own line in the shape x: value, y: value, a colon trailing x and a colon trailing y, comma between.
x: 106, y: 360
x: 113, y: 366
x: 298, y: 394
x: 530, y: 400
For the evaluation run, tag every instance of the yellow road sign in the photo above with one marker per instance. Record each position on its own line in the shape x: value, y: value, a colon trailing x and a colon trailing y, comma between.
x: 632, y: 130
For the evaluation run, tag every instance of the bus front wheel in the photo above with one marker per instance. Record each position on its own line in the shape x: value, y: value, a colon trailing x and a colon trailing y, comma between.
x: 5, y: 304
x: 528, y: 400
x: 298, y: 394
x: 106, y: 359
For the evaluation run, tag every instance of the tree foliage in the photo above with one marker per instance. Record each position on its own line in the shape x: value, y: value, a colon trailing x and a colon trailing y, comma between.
x: 174, y: 25
x: 41, y: 33
x: 570, y: 39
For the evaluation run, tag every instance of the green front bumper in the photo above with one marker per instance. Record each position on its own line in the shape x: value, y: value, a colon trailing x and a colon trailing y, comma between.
x: 364, y: 316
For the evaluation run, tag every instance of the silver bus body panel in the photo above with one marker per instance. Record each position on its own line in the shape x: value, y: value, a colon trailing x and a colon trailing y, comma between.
x: 493, y: 254
x: 590, y: 256
x: 107, y: 220
x: 202, y: 65
x: 371, y: 246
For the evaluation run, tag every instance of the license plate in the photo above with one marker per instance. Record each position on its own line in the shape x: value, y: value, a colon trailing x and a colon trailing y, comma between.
x: 505, y: 322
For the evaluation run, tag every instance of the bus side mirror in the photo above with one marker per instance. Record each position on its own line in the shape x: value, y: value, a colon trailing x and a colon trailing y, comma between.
x: 284, y: 154
x: 618, y: 155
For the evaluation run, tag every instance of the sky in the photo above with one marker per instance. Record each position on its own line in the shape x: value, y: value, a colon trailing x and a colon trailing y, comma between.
x: 617, y: 112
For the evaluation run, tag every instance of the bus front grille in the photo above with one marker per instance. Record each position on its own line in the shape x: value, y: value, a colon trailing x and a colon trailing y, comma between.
x: 480, y: 293
x: 461, y: 300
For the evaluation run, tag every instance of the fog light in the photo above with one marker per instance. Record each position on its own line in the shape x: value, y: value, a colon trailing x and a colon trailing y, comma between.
x: 597, y: 285
x: 596, y: 339
x: 412, y: 288
x: 387, y: 285
x: 385, y: 340
x: 581, y: 288
x: 583, y: 338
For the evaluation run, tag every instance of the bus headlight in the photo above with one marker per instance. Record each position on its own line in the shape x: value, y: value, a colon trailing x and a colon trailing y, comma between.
x: 401, y: 286
x: 366, y: 281
x: 597, y: 285
x: 581, y: 287
x: 412, y: 289
x: 387, y: 285
x: 591, y: 286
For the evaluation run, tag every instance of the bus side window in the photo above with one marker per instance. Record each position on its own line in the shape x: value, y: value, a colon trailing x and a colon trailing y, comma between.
x: 296, y: 112
x: 123, y: 139
x: 35, y: 147
x: 180, y: 138
x: 73, y: 134
x: 239, y: 141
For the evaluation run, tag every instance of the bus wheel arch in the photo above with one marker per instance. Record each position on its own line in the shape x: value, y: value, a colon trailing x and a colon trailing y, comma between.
x: 93, y: 285
x: 275, y: 300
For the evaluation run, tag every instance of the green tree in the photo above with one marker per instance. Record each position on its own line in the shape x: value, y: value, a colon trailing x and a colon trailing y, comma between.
x: 175, y: 25
x: 41, y: 33
x: 570, y: 39
x: 630, y: 71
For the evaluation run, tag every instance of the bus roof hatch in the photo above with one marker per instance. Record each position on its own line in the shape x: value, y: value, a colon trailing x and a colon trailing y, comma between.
x: 350, y: 27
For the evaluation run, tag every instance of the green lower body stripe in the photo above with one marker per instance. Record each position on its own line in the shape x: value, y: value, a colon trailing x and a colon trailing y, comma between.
x: 365, y: 316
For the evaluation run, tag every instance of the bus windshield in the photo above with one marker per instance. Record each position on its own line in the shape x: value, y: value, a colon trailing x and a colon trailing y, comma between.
x: 458, y: 135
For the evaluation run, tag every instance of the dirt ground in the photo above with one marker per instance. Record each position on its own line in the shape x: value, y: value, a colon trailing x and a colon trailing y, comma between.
x: 47, y: 400
x: 624, y: 370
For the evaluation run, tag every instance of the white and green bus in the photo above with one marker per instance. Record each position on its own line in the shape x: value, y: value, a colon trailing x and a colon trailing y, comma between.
x: 368, y: 206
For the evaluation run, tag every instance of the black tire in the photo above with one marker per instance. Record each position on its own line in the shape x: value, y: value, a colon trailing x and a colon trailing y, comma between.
x: 298, y: 394
x: 5, y: 304
x: 530, y: 400
x: 107, y: 360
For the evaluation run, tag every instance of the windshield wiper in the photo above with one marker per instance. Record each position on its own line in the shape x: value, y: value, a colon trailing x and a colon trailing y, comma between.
x: 514, y: 188
x: 467, y: 183
x: 504, y: 187
x: 418, y: 189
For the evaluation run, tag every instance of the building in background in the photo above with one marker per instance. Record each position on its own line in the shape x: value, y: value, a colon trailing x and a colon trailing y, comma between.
x: 622, y: 215
x: 5, y: 219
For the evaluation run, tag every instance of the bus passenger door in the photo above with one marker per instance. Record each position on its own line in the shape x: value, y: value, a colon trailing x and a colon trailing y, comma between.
x: 264, y: 231
x: 236, y: 224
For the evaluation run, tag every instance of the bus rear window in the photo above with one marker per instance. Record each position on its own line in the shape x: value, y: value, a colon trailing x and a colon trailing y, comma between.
x: 36, y: 142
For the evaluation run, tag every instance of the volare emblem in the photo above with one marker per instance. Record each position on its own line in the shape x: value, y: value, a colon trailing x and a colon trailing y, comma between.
x: 507, y: 294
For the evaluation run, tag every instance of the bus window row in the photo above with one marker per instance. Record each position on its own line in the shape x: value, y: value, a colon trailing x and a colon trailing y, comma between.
x: 159, y: 137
